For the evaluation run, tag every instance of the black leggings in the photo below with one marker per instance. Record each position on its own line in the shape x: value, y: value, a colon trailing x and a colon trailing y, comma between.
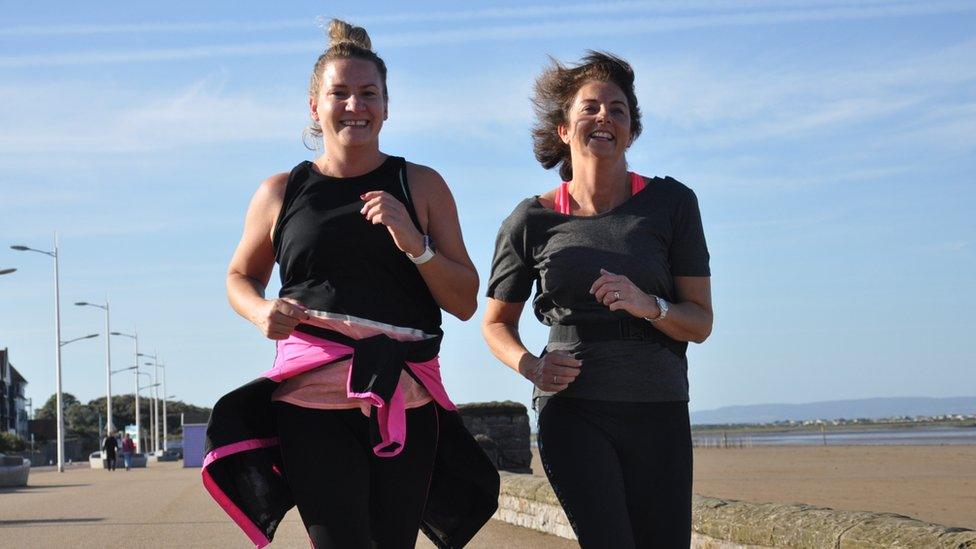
x: 621, y: 470
x: 347, y: 496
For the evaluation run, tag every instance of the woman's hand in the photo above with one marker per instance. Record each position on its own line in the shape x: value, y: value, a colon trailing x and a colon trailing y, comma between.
x: 277, y: 318
x: 552, y: 372
x: 383, y: 209
x: 617, y: 292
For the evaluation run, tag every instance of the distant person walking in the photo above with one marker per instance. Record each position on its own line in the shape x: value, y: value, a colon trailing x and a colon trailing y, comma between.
x: 128, y: 448
x: 621, y: 276
x: 110, y: 445
x: 352, y: 424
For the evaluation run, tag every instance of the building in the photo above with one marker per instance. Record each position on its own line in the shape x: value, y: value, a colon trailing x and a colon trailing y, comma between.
x: 13, y: 404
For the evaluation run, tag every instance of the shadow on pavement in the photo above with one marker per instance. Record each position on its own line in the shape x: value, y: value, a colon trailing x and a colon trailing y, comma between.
x: 27, y: 522
x: 37, y: 488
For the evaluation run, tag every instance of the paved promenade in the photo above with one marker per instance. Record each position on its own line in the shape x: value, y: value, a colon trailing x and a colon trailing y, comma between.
x: 163, y: 506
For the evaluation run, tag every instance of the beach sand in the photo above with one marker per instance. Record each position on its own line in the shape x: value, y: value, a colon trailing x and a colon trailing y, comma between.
x: 930, y: 483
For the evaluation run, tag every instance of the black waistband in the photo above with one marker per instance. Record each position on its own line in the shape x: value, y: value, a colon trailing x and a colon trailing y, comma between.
x: 413, y: 351
x: 630, y: 329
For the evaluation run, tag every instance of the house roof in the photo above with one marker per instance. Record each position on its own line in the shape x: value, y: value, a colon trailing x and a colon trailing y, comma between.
x: 15, y: 375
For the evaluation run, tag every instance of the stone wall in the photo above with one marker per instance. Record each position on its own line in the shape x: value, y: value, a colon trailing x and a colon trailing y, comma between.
x: 529, y: 501
x: 14, y: 471
x: 798, y: 525
x: 502, y: 429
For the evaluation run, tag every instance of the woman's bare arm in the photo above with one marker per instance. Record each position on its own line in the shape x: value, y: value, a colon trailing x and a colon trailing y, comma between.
x: 250, y: 267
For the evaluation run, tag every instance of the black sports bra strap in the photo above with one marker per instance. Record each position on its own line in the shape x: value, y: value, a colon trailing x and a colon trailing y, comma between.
x: 405, y: 187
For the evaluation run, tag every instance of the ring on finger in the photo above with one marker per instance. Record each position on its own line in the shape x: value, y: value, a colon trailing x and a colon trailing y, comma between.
x: 616, y: 295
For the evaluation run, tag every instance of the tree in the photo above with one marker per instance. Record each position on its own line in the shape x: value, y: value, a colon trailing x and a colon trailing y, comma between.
x: 49, y: 410
x: 80, y: 420
x: 123, y: 412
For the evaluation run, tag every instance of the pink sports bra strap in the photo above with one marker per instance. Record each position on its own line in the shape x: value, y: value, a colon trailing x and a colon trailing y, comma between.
x: 637, y: 183
x: 561, y: 201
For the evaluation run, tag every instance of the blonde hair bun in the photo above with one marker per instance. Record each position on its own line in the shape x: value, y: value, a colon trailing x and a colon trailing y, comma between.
x: 342, y: 32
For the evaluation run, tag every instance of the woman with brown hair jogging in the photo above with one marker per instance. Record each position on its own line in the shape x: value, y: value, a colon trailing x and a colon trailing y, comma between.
x: 620, y: 270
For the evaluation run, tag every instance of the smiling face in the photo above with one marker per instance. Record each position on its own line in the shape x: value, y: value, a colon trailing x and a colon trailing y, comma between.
x: 597, y: 122
x: 350, y: 105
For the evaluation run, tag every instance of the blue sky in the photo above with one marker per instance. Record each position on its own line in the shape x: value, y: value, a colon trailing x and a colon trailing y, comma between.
x: 830, y: 144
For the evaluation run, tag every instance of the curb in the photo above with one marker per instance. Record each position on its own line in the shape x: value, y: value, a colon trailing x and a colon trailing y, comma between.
x: 528, y: 501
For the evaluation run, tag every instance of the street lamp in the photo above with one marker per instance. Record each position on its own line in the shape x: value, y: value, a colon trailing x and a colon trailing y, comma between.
x: 152, y: 432
x: 57, y: 343
x: 135, y: 337
x: 165, y: 431
x: 155, y: 407
x: 108, y: 360
x: 7, y: 271
x: 89, y: 336
x: 139, y: 389
x: 153, y: 402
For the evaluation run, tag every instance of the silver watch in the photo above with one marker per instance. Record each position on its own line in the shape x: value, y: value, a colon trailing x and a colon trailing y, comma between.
x: 661, y: 304
x: 424, y: 257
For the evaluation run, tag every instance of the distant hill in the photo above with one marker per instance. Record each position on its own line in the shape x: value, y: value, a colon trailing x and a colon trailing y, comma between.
x: 872, y: 408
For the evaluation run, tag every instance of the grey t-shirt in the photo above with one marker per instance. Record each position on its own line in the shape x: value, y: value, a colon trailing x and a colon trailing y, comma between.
x: 651, y: 238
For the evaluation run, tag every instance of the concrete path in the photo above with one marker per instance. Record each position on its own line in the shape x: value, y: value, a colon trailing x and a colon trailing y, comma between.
x: 162, y: 506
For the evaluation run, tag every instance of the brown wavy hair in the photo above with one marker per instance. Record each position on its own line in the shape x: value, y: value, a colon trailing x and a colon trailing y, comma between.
x: 346, y: 41
x: 555, y: 90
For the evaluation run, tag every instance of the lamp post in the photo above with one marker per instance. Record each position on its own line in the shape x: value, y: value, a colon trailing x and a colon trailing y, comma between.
x: 152, y: 386
x: 165, y: 431
x: 155, y: 406
x: 138, y: 392
x: 108, y: 361
x: 57, y: 343
x: 153, y: 402
x: 60, y: 416
x: 135, y: 337
x: 151, y: 446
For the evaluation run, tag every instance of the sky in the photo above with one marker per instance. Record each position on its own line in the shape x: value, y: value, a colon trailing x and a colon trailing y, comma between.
x: 830, y: 145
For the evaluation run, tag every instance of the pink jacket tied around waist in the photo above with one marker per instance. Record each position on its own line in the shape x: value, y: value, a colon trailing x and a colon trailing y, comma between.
x: 373, y: 377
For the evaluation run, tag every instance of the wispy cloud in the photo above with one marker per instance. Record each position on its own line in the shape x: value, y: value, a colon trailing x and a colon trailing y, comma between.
x: 132, y: 120
x: 155, y: 55
x: 920, y: 99
x: 16, y: 197
x: 445, y: 16
x: 737, y: 179
x: 642, y: 25
x: 157, y: 27
x: 643, y: 17
x: 947, y: 247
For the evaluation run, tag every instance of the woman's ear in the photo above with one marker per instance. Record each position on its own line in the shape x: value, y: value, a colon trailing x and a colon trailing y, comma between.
x: 313, y: 107
x: 563, y: 133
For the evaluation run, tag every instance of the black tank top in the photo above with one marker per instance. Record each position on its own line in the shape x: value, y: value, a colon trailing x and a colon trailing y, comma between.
x: 332, y: 259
